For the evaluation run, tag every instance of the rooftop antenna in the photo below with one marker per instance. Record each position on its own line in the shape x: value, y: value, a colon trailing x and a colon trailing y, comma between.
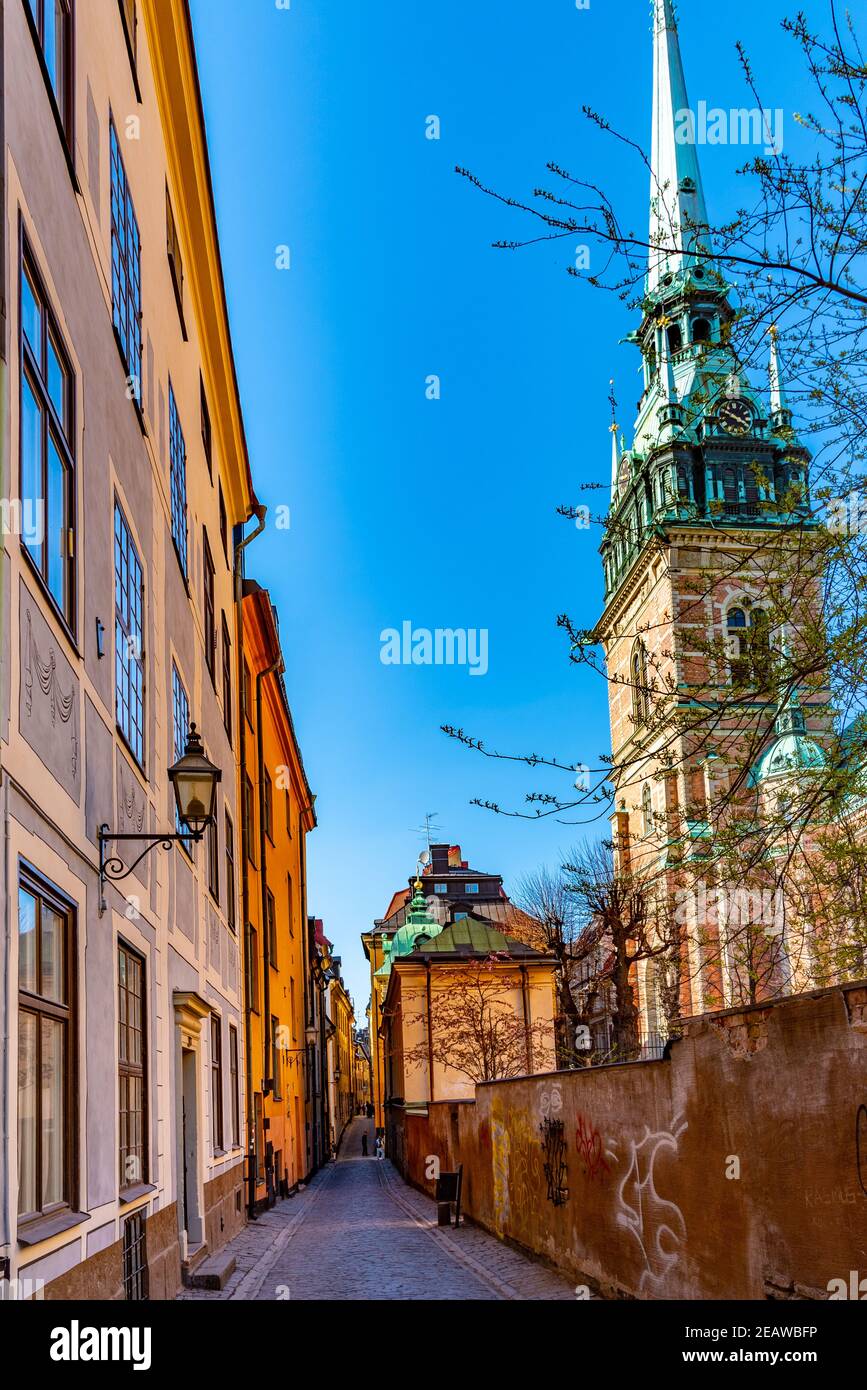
x: 429, y: 828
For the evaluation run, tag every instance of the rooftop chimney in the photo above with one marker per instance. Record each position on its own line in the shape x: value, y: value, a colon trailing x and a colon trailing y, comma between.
x: 440, y: 858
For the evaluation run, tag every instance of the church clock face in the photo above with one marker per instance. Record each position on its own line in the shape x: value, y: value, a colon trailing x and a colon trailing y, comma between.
x: 735, y: 416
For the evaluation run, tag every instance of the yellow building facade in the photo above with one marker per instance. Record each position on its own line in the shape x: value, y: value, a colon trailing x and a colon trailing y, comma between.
x: 462, y: 1004
x: 341, y: 1058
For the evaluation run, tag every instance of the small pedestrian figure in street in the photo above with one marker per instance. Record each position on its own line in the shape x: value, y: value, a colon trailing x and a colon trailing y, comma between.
x: 380, y: 1147
x: 364, y: 1146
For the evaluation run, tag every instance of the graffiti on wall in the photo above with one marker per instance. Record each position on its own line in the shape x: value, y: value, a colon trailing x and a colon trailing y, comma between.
x: 500, y: 1168
x: 526, y: 1176
x: 591, y: 1151
x: 550, y: 1102
x: 554, y: 1150
x: 656, y: 1224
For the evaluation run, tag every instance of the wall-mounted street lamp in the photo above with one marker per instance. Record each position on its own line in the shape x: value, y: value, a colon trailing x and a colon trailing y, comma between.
x: 194, y: 779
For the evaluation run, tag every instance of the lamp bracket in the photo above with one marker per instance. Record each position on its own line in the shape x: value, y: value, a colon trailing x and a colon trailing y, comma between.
x: 113, y: 869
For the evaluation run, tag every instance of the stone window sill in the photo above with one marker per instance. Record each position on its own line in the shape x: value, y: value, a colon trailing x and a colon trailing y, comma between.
x: 46, y: 1227
x: 132, y: 1194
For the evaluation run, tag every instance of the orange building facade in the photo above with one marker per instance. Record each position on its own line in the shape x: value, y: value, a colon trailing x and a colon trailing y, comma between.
x: 277, y: 815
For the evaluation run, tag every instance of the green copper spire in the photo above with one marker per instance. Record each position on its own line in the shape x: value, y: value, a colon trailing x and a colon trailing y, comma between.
x: 419, y: 925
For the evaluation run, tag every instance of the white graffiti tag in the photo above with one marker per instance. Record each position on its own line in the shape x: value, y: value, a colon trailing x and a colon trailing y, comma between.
x: 550, y: 1102
x: 657, y: 1225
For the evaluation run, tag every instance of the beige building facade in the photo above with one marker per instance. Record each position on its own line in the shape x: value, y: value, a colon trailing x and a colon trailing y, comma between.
x: 125, y: 474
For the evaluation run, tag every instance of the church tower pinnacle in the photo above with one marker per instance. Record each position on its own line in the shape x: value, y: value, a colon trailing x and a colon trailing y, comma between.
x: 678, y: 214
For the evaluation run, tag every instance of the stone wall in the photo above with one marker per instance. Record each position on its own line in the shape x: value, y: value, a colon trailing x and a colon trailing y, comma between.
x: 225, y: 1214
x: 734, y: 1168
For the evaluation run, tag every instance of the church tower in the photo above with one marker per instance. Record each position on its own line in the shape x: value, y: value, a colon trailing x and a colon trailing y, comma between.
x: 713, y: 482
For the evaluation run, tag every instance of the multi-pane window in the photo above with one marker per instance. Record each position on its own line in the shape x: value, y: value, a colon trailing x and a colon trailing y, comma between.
x: 211, y: 845
x: 132, y: 1150
x: 52, y: 21
x: 45, y: 1044
x: 230, y: 873
x: 253, y: 968
x: 268, y: 805
x: 288, y: 804
x: 272, y: 929
x: 749, y: 647
x: 646, y: 810
x: 227, y: 678
x: 259, y: 1118
x: 217, y: 1081
x: 290, y: 915
x: 127, y: 10
x: 234, y: 1081
x: 207, y: 440
x: 135, y: 1258
x: 641, y: 707
x: 210, y: 614
x: 247, y: 695
x: 249, y: 829
x: 176, y: 264
x: 125, y: 269
x: 47, y: 519
x: 276, y: 1057
x: 180, y: 729
x: 178, y: 466
x: 224, y: 522
x: 128, y: 637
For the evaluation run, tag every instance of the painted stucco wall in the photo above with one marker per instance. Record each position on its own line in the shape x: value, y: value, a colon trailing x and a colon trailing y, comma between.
x: 729, y: 1170
x: 66, y: 768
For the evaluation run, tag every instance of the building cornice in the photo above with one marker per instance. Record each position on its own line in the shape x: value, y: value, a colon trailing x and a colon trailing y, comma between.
x: 170, y: 44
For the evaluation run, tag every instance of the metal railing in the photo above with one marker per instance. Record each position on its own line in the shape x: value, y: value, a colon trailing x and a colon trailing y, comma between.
x: 649, y: 1047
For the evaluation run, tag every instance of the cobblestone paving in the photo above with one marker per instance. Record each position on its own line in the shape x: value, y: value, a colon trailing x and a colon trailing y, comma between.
x: 359, y: 1232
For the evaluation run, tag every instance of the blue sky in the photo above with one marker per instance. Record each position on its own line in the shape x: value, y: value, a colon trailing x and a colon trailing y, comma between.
x: 437, y: 512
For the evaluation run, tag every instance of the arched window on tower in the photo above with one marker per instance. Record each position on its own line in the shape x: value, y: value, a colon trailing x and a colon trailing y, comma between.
x: 761, y: 664
x: 675, y: 337
x: 701, y: 330
x: 749, y: 647
x: 737, y: 634
x: 638, y: 681
x: 730, y: 485
x: 646, y: 811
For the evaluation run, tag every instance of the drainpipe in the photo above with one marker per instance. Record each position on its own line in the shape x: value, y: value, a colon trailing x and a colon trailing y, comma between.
x: 268, y: 1084
x: 243, y: 841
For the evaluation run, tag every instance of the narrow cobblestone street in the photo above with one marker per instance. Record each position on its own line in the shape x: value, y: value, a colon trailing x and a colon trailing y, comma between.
x: 359, y: 1232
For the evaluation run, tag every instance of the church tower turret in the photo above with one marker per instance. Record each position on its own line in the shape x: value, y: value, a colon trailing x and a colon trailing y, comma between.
x: 705, y: 447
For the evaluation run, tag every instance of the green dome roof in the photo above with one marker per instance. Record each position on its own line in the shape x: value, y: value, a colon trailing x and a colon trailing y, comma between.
x: 419, y: 923
x: 792, y: 751
x: 787, y: 754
